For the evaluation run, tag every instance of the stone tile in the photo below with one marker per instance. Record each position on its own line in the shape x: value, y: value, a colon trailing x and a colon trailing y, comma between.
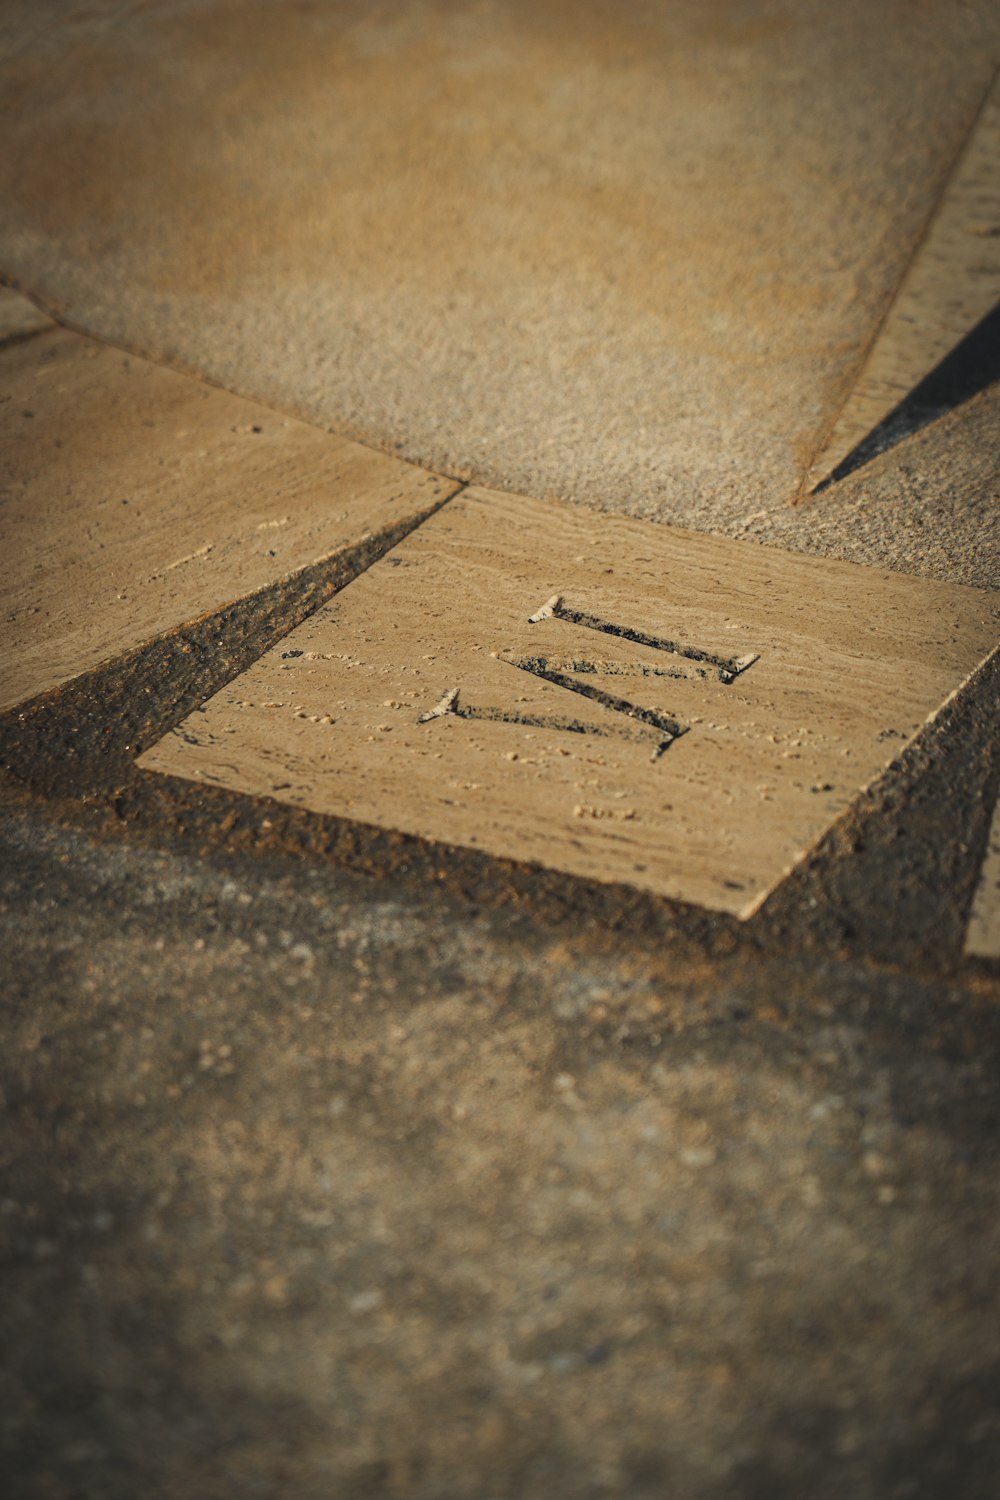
x: 683, y: 713
x: 135, y: 498
x: 983, y: 937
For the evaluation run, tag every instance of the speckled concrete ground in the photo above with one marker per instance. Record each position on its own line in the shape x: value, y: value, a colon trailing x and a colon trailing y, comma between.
x: 329, y: 1182
x: 335, y: 1164
x: 629, y: 256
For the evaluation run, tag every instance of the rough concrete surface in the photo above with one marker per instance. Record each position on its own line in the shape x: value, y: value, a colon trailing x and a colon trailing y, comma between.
x: 949, y: 287
x: 314, y: 1188
x: 930, y: 506
x: 627, y: 255
x: 338, y: 1163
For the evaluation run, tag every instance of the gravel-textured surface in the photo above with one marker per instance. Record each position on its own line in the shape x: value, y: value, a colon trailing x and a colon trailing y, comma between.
x: 627, y: 255
x: 930, y: 506
x: 315, y: 1186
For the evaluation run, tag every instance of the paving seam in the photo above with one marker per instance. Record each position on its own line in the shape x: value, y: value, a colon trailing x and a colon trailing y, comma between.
x: 180, y: 367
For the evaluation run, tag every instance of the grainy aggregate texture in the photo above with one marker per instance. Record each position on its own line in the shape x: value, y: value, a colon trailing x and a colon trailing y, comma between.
x: 952, y: 283
x: 984, y: 922
x: 316, y: 1187
x: 931, y: 506
x: 629, y: 255
x: 619, y: 700
x: 133, y: 499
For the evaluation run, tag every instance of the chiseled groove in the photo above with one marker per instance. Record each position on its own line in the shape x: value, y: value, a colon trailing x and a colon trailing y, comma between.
x: 619, y: 669
x: 666, y: 729
x: 452, y: 704
x: 729, y: 667
x: 539, y: 667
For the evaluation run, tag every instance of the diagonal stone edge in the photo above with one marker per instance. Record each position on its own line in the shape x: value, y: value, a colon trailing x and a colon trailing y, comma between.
x: 77, y: 737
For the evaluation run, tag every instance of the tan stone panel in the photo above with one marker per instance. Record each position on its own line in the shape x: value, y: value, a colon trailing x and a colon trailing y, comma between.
x: 686, y: 714
x: 133, y: 498
x: 952, y: 283
x: 983, y: 935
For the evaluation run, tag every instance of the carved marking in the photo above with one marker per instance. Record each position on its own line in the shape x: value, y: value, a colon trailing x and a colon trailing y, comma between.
x: 728, y: 667
x: 620, y: 668
x: 666, y: 730
x: 557, y: 671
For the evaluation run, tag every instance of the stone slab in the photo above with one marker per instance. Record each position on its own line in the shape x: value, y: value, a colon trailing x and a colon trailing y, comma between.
x: 983, y: 936
x: 631, y: 255
x: 133, y: 498
x: 615, y: 699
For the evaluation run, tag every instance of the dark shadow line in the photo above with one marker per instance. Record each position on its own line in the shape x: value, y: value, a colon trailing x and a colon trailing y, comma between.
x: 662, y: 723
x: 969, y: 368
x: 83, y: 735
x: 25, y: 335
